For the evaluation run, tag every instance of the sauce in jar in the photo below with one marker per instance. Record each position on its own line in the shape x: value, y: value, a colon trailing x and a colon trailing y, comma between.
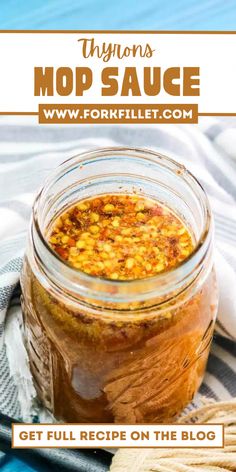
x: 119, y: 302
x: 121, y: 237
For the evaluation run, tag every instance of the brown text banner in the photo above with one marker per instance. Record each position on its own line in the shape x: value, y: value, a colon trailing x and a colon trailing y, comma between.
x: 117, y: 113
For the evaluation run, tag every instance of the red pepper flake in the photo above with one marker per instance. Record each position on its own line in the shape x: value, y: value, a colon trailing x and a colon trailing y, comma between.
x: 71, y: 242
x: 62, y: 252
x: 156, y: 211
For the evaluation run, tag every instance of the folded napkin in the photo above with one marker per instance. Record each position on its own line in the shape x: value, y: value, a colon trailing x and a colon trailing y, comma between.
x: 28, y: 152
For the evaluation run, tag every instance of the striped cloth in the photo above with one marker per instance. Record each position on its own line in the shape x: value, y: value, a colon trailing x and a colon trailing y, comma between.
x: 28, y: 152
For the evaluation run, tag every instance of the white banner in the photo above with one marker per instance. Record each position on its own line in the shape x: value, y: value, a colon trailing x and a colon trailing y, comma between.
x: 112, y: 435
x: 117, y: 68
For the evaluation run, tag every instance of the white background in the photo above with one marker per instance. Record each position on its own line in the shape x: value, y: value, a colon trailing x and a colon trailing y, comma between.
x: 213, y: 53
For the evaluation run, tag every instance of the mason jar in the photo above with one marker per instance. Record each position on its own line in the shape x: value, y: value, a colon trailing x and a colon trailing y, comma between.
x: 124, y: 351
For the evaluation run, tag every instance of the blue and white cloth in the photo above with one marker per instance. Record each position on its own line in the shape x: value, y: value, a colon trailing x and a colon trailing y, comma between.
x: 29, y: 151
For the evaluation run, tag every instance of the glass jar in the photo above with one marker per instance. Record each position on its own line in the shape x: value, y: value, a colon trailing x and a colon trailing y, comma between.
x: 118, y: 351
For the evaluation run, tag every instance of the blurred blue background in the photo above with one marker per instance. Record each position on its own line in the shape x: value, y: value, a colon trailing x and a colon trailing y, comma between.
x: 122, y: 14
x: 104, y: 14
x: 9, y: 464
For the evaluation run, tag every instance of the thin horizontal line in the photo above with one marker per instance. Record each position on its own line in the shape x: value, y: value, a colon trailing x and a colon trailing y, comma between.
x: 116, y: 32
x: 36, y: 113
x: 18, y: 113
x: 216, y: 114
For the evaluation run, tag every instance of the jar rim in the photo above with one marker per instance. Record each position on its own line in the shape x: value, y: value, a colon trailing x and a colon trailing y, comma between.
x: 173, y: 274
